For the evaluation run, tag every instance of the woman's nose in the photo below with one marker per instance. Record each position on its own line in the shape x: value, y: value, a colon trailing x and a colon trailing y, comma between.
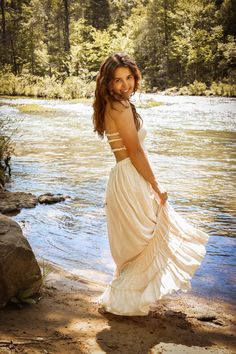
x: 124, y: 85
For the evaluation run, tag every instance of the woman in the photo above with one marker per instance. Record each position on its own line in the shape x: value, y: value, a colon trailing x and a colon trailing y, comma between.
x: 155, y: 250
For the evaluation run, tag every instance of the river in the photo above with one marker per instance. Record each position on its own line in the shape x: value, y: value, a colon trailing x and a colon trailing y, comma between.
x: 191, y: 143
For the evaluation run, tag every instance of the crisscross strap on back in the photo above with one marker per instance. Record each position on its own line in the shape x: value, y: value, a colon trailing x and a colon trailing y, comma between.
x: 119, y: 149
x: 115, y: 139
x: 111, y: 140
x: 113, y: 134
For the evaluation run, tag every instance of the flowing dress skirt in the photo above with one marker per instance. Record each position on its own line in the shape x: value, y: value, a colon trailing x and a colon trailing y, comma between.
x: 155, y: 250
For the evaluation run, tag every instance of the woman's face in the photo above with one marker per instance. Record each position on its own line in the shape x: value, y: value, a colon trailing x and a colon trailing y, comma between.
x: 123, y: 82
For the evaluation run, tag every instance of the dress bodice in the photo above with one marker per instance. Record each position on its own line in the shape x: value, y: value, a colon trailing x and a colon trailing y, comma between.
x: 142, y: 134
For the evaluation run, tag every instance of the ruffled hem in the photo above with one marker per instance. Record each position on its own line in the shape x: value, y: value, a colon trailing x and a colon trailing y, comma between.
x: 166, y: 265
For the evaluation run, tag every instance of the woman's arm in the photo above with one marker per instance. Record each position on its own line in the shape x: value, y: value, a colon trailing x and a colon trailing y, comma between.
x: 124, y: 121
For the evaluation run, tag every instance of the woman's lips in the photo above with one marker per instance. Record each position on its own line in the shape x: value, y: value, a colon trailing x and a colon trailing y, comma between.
x: 125, y: 92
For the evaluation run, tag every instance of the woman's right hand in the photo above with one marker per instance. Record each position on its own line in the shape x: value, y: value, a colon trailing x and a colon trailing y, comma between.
x: 163, y: 197
x: 161, y: 193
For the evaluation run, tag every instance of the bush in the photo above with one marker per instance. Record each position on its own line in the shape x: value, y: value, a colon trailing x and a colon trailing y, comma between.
x: 7, y: 84
x: 6, y: 145
x: 76, y: 88
x: 223, y: 89
x: 197, y: 88
x: 48, y: 87
x: 184, y: 91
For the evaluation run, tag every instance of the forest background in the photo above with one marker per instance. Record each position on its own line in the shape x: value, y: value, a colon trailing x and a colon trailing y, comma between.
x: 53, y: 48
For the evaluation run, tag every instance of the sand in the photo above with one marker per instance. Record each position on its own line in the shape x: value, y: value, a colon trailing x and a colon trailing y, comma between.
x: 66, y: 320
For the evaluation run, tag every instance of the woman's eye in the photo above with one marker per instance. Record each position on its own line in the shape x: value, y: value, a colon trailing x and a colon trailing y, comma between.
x: 130, y: 77
x: 117, y: 80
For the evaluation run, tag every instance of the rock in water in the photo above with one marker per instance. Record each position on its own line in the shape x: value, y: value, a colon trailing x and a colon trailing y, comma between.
x: 15, y: 201
x: 19, y: 269
x: 50, y: 198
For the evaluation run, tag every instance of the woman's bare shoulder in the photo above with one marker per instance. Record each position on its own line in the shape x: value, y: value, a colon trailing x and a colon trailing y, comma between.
x: 119, y: 110
x: 119, y: 106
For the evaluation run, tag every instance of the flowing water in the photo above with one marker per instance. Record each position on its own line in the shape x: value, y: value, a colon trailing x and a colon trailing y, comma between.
x: 191, y: 143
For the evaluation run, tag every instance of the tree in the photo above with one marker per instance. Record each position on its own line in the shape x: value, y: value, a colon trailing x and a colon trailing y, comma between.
x: 97, y: 13
x: 194, y: 43
x: 152, y: 45
x: 174, y: 42
x: 227, y: 16
x: 3, y: 39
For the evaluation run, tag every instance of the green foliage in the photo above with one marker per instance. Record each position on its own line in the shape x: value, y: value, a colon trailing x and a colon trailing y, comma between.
x: 6, y: 136
x: 152, y: 43
x: 227, y: 15
x: 194, y: 43
x: 89, y: 46
x: 223, y: 89
x: 184, y: 91
x: 97, y: 13
x: 50, y: 87
x: 54, y: 48
x: 216, y: 89
x: 197, y: 88
x: 7, y: 147
x: 227, y: 59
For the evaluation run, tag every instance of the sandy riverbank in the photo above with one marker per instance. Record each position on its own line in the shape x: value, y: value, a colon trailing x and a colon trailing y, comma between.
x: 66, y: 320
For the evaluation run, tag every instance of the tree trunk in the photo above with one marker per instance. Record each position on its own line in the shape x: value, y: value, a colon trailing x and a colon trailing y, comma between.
x: 67, y: 21
x: 67, y: 31
x: 4, y: 41
x: 13, y: 55
x: 48, y: 10
x: 166, y: 36
x: 32, y: 52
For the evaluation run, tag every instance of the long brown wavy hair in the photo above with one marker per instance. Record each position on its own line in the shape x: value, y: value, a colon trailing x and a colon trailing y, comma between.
x: 103, y: 94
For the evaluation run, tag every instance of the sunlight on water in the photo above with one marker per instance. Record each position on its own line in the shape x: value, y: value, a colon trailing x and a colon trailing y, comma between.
x: 191, y: 144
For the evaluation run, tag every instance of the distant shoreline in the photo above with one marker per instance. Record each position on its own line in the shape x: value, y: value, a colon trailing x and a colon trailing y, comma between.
x: 76, y: 89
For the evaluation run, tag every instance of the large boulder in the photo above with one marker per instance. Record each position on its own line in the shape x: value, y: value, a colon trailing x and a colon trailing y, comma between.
x: 19, y: 270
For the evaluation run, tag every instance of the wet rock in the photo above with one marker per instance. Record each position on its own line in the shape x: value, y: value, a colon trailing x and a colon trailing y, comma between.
x: 14, y: 201
x: 50, y: 198
x: 19, y: 270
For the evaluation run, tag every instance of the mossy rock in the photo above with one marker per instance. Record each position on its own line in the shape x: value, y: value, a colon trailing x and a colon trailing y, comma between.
x: 35, y: 108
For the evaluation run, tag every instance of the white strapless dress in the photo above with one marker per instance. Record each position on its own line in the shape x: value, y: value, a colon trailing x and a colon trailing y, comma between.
x: 156, y: 251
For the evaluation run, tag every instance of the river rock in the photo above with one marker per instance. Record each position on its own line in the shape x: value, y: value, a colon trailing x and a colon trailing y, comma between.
x: 49, y: 198
x: 19, y: 269
x: 14, y: 201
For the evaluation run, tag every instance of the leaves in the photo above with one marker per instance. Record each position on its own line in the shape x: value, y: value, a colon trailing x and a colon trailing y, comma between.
x: 174, y: 42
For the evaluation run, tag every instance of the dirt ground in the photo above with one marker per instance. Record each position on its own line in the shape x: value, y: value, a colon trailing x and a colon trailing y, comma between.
x: 66, y: 320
